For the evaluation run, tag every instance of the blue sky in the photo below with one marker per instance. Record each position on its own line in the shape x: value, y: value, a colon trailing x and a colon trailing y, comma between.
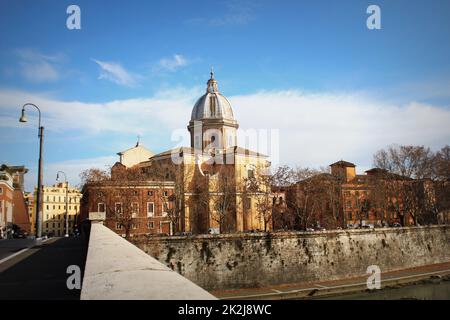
x: 137, y: 68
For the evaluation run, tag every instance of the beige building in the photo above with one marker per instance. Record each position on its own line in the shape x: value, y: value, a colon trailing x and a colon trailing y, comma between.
x: 135, y: 155
x: 212, y: 175
x: 217, y: 186
x: 54, y: 209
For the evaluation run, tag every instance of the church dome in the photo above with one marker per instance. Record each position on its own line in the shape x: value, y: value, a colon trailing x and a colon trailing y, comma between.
x: 212, y: 105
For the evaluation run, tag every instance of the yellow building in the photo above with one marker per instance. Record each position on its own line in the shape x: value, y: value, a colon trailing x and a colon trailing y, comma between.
x: 213, y: 174
x: 54, y: 209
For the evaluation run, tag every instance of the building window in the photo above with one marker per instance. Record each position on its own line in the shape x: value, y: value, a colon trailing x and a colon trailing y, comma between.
x: 350, y: 216
x: 118, y: 208
x: 150, y: 193
x: 101, y: 207
x: 119, y: 226
x: 165, y: 193
x: 135, y: 193
x: 134, y: 226
x: 248, y: 204
x: 134, y: 209
x: 251, y: 173
x: 150, y: 225
x: 150, y: 209
x: 165, y: 208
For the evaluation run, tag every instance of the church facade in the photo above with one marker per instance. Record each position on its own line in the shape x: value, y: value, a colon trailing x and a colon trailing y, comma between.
x: 216, y: 186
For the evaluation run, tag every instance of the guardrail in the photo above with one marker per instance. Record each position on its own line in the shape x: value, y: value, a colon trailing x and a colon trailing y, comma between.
x: 117, y: 270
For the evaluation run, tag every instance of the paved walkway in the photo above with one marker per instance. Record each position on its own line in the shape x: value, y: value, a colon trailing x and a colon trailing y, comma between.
x: 40, y: 271
x: 322, y: 288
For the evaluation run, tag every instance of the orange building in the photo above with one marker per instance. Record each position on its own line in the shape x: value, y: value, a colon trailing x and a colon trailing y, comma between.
x: 13, y: 210
x: 345, y: 199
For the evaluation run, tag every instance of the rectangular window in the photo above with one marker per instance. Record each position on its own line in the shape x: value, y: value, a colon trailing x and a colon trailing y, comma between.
x: 118, y: 208
x: 150, y: 209
x: 248, y: 204
x: 165, y: 193
x: 100, y: 207
x: 134, y: 209
x: 150, y: 225
x: 134, y: 226
x: 150, y: 193
x: 165, y: 208
x: 1, y: 190
x: 118, y: 226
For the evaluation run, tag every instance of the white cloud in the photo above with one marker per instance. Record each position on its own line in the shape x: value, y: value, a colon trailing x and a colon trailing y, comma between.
x: 315, y: 129
x: 163, y: 112
x: 72, y: 168
x: 318, y: 129
x: 173, y: 63
x: 38, y: 67
x: 116, y: 73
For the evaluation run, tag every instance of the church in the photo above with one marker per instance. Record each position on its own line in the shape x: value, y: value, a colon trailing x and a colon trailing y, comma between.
x: 215, y: 185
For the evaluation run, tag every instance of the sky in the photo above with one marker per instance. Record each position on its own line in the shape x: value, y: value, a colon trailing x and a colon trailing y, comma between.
x: 310, y: 74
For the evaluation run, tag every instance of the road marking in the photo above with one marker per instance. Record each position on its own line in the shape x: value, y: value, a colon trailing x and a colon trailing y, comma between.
x: 14, y: 255
x: 22, y: 251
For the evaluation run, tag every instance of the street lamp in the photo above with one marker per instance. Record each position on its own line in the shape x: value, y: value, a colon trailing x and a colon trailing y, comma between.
x: 23, y: 118
x: 67, y: 201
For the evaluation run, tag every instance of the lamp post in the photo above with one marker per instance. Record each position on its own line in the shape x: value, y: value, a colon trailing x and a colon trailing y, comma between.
x: 67, y: 201
x: 23, y: 118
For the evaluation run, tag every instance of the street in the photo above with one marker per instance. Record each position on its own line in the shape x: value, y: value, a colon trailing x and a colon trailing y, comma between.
x: 40, y: 271
x: 8, y: 247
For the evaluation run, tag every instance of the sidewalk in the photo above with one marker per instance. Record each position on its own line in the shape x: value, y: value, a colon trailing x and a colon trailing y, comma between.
x: 308, y: 290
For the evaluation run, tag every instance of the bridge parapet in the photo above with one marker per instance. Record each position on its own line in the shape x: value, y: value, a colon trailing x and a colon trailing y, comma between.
x: 118, y: 270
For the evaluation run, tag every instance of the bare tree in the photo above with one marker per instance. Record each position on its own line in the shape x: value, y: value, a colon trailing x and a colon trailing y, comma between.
x: 409, y: 161
x: 259, y: 185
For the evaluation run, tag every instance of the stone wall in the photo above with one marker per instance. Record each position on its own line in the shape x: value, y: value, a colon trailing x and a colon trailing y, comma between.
x: 255, y: 260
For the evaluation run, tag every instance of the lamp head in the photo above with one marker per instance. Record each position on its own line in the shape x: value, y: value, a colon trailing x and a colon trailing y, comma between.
x: 23, y: 118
